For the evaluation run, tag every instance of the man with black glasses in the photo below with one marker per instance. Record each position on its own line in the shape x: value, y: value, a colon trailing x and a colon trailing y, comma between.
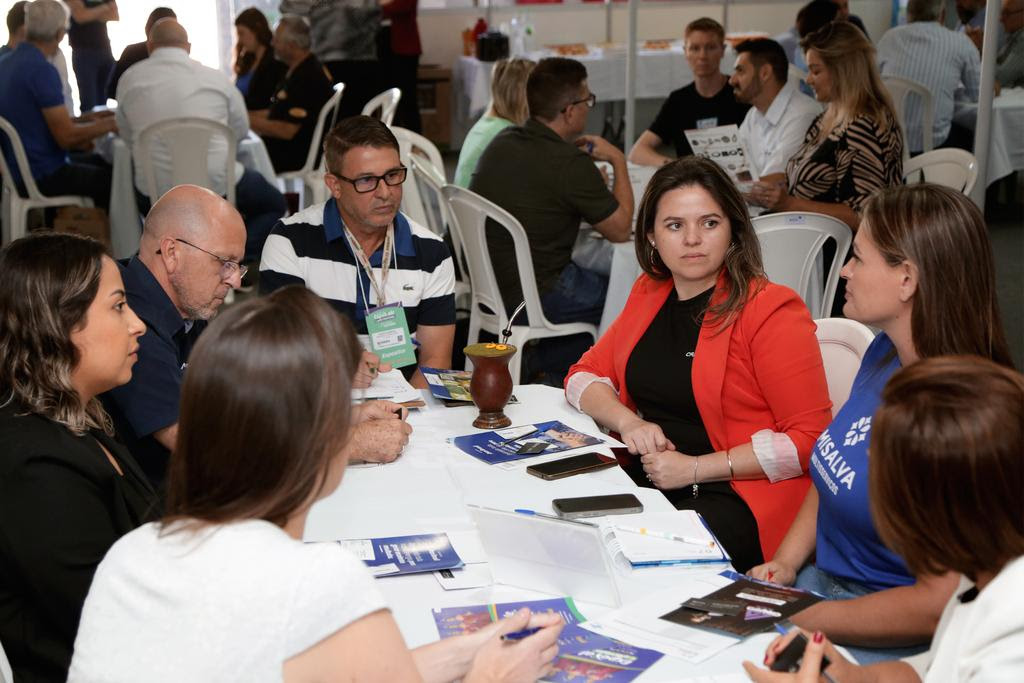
x: 392, y: 277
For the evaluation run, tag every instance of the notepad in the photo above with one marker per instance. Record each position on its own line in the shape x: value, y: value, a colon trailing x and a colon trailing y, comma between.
x: 648, y: 550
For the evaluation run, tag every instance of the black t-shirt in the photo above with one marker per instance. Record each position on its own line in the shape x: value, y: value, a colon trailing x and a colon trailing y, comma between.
x: 685, y: 109
x: 298, y: 99
x: 92, y: 34
x: 267, y: 74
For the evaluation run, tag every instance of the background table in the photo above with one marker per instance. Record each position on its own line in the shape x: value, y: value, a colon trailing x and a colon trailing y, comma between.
x: 1006, y: 147
x: 427, y: 488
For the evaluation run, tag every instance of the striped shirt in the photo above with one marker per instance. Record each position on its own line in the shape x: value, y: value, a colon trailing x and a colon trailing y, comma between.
x: 310, y: 248
x: 939, y: 59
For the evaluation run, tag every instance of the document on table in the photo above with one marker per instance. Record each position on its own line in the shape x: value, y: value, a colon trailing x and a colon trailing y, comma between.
x: 390, y: 385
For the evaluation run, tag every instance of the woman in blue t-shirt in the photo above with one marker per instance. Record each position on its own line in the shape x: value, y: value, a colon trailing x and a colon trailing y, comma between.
x: 922, y: 273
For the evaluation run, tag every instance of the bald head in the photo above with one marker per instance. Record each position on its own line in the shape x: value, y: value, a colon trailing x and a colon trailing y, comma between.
x: 192, y: 212
x: 168, y: 32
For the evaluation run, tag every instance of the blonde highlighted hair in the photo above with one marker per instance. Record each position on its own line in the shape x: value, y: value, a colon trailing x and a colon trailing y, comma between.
x: 508, y: 89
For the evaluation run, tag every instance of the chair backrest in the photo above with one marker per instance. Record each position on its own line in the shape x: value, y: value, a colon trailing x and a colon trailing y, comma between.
x: 950, y: 167
x: 386, y: 102
x: 314, y: 162
x: 903, y: 92
x: 791, y: 244
x: 6, y: 676
x: 843, y: 344
x: 187, y: 141
x: 440, y: 220
x: 470, y: 212
x: 13, y: 143
x: 410, y: 146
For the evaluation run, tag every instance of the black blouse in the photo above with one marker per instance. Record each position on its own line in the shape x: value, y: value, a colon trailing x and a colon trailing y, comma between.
x: 62, y: 505
x: 266, y: 74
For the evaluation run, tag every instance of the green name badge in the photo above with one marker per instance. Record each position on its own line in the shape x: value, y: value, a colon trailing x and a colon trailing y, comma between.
x: 389, y: 335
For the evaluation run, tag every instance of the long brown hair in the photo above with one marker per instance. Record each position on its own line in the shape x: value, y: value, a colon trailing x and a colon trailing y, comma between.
x: 743, y: 265
x: 255, y: 21
x: 942, y: 233
x: 947, y: 469
x: 265, y: 408
x: 47, y: 283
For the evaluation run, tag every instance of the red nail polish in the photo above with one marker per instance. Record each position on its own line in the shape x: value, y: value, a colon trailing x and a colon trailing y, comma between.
x: 818, y: 636
x: 766, y: 660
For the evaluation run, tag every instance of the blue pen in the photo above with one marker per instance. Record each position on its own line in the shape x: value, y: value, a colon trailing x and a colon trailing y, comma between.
x: 534, y: 513
x: 780, y: 628
x: 519, y: 635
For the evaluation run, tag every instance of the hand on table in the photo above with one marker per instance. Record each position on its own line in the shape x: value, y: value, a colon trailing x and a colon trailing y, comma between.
x: 641, y: 436
x: 599, y: 148
x: 524, y: 660
x: 769, y: 195
x: 381, y: 410
x: 668, y: 469
x: 367, y: 370
x: 379, y: 440
x: 774, y: 571
x: 839, y: 669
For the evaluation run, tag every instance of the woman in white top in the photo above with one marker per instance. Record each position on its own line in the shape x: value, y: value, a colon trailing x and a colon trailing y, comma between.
x: 223, y: 588
x: 945, y: 486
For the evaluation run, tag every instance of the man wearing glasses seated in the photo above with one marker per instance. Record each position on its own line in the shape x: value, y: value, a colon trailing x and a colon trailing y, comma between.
x: 363, y: 256
x: 188, y: 261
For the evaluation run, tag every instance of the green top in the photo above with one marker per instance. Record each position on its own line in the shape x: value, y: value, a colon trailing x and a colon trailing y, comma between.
x: 479, y: 136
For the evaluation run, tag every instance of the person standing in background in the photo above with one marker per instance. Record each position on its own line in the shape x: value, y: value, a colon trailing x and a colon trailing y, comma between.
x: 91, y: 57
x: 15, y: 27
x: 398, y: 51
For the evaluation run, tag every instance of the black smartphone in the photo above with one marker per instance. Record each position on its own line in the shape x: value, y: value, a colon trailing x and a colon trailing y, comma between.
x: 576, y: 464
x: 789, y: 658
x: 595, y: 506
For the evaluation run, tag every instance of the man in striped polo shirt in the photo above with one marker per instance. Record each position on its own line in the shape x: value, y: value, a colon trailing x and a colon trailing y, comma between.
x: 337, y: 249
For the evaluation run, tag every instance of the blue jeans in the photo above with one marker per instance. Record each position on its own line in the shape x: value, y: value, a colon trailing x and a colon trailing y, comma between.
x: 832, y: 587
x: 92, y: 69
x: 578, y: 296
x: 261, y: 206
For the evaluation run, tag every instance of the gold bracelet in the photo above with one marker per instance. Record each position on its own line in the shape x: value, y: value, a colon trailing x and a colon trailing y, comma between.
x: 696, y: 459
x: 728, y: 459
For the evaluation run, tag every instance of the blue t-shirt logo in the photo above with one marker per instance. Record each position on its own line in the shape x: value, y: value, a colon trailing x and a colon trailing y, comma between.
x: 858, y: 431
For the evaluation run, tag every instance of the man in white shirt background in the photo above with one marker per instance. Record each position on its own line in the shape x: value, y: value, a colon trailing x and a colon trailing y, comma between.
x: 171, y: 85
x: 775, y: 126
x: 943, y: 61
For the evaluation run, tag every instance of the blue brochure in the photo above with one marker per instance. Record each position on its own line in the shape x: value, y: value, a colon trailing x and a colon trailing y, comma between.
x: 587, y: 656
x: 398, y: 555
x: 516, y: 443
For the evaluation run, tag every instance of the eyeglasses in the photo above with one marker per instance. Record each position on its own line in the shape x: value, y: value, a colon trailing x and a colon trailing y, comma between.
x: 228, y: 268
x: 369, y: 183
x: 590, y: 99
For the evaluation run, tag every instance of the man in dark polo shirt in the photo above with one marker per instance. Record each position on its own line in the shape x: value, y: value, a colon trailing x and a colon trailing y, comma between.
x: 188, y: 260
x: 543, y: 173
x: 287, y: 127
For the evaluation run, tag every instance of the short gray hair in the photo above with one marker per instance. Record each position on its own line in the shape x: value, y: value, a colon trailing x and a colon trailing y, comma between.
x: 924, y: 10
x: 44, y: 19
x: 296, y: 30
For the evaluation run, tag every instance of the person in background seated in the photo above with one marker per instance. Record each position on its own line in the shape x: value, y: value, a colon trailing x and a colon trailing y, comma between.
x: 359, y: 252
x: 170, y: 85
x: 287, y: 125
x: 136, y: 52
x: 945, y: 494
x: 971, y: 14
x: 780, y: 115
x: 257, y: 72
x: 543, y: 173
x: 279, y: 369
x: 918, y: 249
x: 809, y: 19
x: 855, y: 147
x: 15, y: 27
x: 941, y: 60
x: 33, y: 101
x: 705, y: 103
x: 91, y: 57
x: 508, y: 108
x: 1010, y: 60
x: 68, y: 489
x: 711, y: 374
x: 843, y: 14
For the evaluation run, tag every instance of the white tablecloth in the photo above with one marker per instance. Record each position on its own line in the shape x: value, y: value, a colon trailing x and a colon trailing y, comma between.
x: 1006, y: 148
x: 426, y: 489
x: 125, y: 223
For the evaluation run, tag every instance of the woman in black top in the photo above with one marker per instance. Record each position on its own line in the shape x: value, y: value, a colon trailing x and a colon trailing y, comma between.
x: 68, y: 490
x: 257, y: 72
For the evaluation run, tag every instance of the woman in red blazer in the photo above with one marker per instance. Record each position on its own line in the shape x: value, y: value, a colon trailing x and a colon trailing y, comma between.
x: 711, y: 374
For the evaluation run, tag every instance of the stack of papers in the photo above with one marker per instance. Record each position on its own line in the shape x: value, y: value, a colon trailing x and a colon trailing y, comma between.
x: 390, y: 386
x: 666, y: 538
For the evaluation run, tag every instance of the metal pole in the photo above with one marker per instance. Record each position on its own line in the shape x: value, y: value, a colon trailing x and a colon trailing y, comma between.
x: 628, y: 135
x: 983, y: 126
x: 607, y: 21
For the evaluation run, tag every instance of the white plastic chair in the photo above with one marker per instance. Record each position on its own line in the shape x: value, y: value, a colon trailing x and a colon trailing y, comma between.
x: 6, y: 676
x: 412, y: 145
x: 791, y: 244
x: 439, y: 221
x: 15, y: 218
x: 187, y: 141
x: 470, y: 212
x: 843, y: 344
x: 386, y: 103
x: 310, y: 176
x: 949, y: 167
x: 902, y: 89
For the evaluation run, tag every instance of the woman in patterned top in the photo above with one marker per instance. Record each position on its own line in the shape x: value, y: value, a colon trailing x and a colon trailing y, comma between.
x: 855, y: 147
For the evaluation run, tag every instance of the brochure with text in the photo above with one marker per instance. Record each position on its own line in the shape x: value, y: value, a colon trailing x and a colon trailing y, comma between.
x: 398, y: 555
x: 516, y: 443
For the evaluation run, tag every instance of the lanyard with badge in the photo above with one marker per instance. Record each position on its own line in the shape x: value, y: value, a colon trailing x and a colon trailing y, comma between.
x: 385, y: 323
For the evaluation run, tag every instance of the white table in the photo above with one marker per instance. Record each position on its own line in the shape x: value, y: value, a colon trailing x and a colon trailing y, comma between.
x: 1006, y: 148
x: 426, y: 489
x: 125, y: 223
